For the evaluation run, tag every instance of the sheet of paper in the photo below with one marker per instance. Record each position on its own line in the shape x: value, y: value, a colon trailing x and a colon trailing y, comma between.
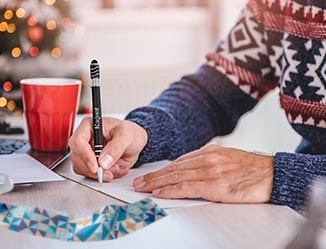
x: 122, y: 188
x: 23, y: 168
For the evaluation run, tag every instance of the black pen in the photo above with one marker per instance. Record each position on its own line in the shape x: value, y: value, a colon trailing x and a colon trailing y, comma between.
x: 97, y: 114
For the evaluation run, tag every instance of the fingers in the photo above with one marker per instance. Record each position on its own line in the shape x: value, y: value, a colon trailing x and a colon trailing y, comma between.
x: 80, y: 167
x: 203, y: 162
x: 170, y: 178
x: 112, y: 152
x: 182, y: 190
x: 113, y: 157
x: 127, y: 141
x: 81, y: 148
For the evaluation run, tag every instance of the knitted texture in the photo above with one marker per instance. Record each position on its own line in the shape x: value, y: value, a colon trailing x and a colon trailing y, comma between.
x: 274, y: 43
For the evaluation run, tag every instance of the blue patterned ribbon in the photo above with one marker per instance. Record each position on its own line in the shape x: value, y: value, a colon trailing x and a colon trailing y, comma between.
x: 111, y: 222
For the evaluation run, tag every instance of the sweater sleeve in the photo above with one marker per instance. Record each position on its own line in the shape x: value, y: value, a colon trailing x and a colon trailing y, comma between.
x: 190, y: 113
x: 293, y: 175
x: 209, y: 102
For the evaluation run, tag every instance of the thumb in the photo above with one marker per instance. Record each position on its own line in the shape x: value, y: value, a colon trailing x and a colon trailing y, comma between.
x: 112, y: 152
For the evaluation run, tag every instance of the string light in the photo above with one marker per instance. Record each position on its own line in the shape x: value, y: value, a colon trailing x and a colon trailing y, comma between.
x: 7, y: 86
x: 32, y: 21
x: 3, y: 26
x: 79, y: 30
x: 56, y: 52
x: 16, y: 52
x: 10, y: 21
x: 66, y: 22
x: 11, y: 28
x: 50, y: 2
x: 51, y: 25
x: 3, y: 101
x: 8, y: 14
x: 34, y: 51
x: 20, y: 12
x: 11, y: 105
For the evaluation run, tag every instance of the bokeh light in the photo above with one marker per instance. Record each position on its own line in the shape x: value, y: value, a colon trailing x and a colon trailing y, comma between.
x: 32, y: 21
x: 66, y: 22
x: 50, y: 2
x: 11, y: 28
x: 3, y: 101
x: 16, y: 52
x: 56, y: 52
x: 51, y: 25
x: 3, y: 26
x: 11, y: 105
x: 79, y: 30
x: 8, y: 14
x: 20, y: 12
x: 7, y: 86
x: 34, y: 51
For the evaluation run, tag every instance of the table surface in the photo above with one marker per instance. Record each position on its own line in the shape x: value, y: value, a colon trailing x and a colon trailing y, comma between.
x: 211, y: 225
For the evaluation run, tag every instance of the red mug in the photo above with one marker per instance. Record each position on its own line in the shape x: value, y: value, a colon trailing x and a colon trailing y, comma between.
x: 50, y: 107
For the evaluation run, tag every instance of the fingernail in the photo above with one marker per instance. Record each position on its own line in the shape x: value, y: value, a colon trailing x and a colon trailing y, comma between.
x: 139, y: 185
x: 156, y: 191
x: 107, y: 176
x: 115, y: 169
x: 106, y: 161
x: 139, y: 179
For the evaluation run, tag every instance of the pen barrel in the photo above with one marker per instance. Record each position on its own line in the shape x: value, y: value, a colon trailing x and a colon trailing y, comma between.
x: 97, y: 120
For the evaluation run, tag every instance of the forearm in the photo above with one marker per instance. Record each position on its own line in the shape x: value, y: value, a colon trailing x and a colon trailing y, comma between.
x: 189, y: 113
x: 293, y: 174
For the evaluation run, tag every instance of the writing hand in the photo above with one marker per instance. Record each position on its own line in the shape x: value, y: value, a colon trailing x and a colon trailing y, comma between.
x: 123, y: 142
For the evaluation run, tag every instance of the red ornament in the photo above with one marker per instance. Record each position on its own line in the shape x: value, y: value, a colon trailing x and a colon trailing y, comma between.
x: 35, y: 34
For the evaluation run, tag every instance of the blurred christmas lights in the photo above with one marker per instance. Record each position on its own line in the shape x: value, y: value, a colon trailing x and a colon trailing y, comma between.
x: 7, y: 86
x: 34, y: 34
x: 20, y: 12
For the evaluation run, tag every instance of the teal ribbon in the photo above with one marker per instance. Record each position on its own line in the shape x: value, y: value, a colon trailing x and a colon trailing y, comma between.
x: 111, y: 222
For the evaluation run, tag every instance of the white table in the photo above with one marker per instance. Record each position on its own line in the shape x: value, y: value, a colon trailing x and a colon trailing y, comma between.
x: 208, y: 226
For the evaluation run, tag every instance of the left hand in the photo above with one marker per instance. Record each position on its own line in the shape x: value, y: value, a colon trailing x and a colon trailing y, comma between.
x: 213, y: 173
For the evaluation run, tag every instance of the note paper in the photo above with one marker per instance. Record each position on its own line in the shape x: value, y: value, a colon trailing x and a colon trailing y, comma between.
x: 122, y: 188
x: 23, y: 168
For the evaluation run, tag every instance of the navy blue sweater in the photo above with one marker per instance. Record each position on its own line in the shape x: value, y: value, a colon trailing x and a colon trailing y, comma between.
x: 273, y: 44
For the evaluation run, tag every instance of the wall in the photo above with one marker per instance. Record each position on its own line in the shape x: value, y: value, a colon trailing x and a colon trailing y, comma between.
x: 141, y: 52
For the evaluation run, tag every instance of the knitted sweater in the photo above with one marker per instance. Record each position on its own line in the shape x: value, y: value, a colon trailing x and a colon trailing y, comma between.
x: 275, y: 43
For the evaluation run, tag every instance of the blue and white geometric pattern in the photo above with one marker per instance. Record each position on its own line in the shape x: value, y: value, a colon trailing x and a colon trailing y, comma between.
x: 111, y: 222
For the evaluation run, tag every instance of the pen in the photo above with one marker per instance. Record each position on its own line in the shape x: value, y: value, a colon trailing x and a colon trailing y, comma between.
x: 97, y: 114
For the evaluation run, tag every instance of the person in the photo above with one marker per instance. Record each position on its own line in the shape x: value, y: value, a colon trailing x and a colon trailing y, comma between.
x: 273, y: 44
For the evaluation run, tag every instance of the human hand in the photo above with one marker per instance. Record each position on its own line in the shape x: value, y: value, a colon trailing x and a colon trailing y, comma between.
x: 213, y: 173
x: 123, y: 142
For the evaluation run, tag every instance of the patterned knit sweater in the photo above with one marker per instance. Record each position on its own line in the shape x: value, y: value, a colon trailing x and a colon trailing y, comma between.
x: 275, y: 43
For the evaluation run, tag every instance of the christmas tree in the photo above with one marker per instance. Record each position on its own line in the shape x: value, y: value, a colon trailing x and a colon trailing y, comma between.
x: 38, y: 38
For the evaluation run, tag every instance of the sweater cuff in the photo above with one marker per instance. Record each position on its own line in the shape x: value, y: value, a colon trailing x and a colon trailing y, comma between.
x: 157, y: 147
x: 293, y: 174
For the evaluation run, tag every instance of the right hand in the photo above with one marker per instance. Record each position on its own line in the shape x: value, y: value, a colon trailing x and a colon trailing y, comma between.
x: 123, y: 142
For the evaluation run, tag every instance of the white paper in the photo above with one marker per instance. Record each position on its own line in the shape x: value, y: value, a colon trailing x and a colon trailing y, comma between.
x: 23, y: 168
x: 122, y: 188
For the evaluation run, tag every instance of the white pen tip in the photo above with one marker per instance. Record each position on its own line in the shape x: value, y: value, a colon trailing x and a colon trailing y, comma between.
x: 100, y: 176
